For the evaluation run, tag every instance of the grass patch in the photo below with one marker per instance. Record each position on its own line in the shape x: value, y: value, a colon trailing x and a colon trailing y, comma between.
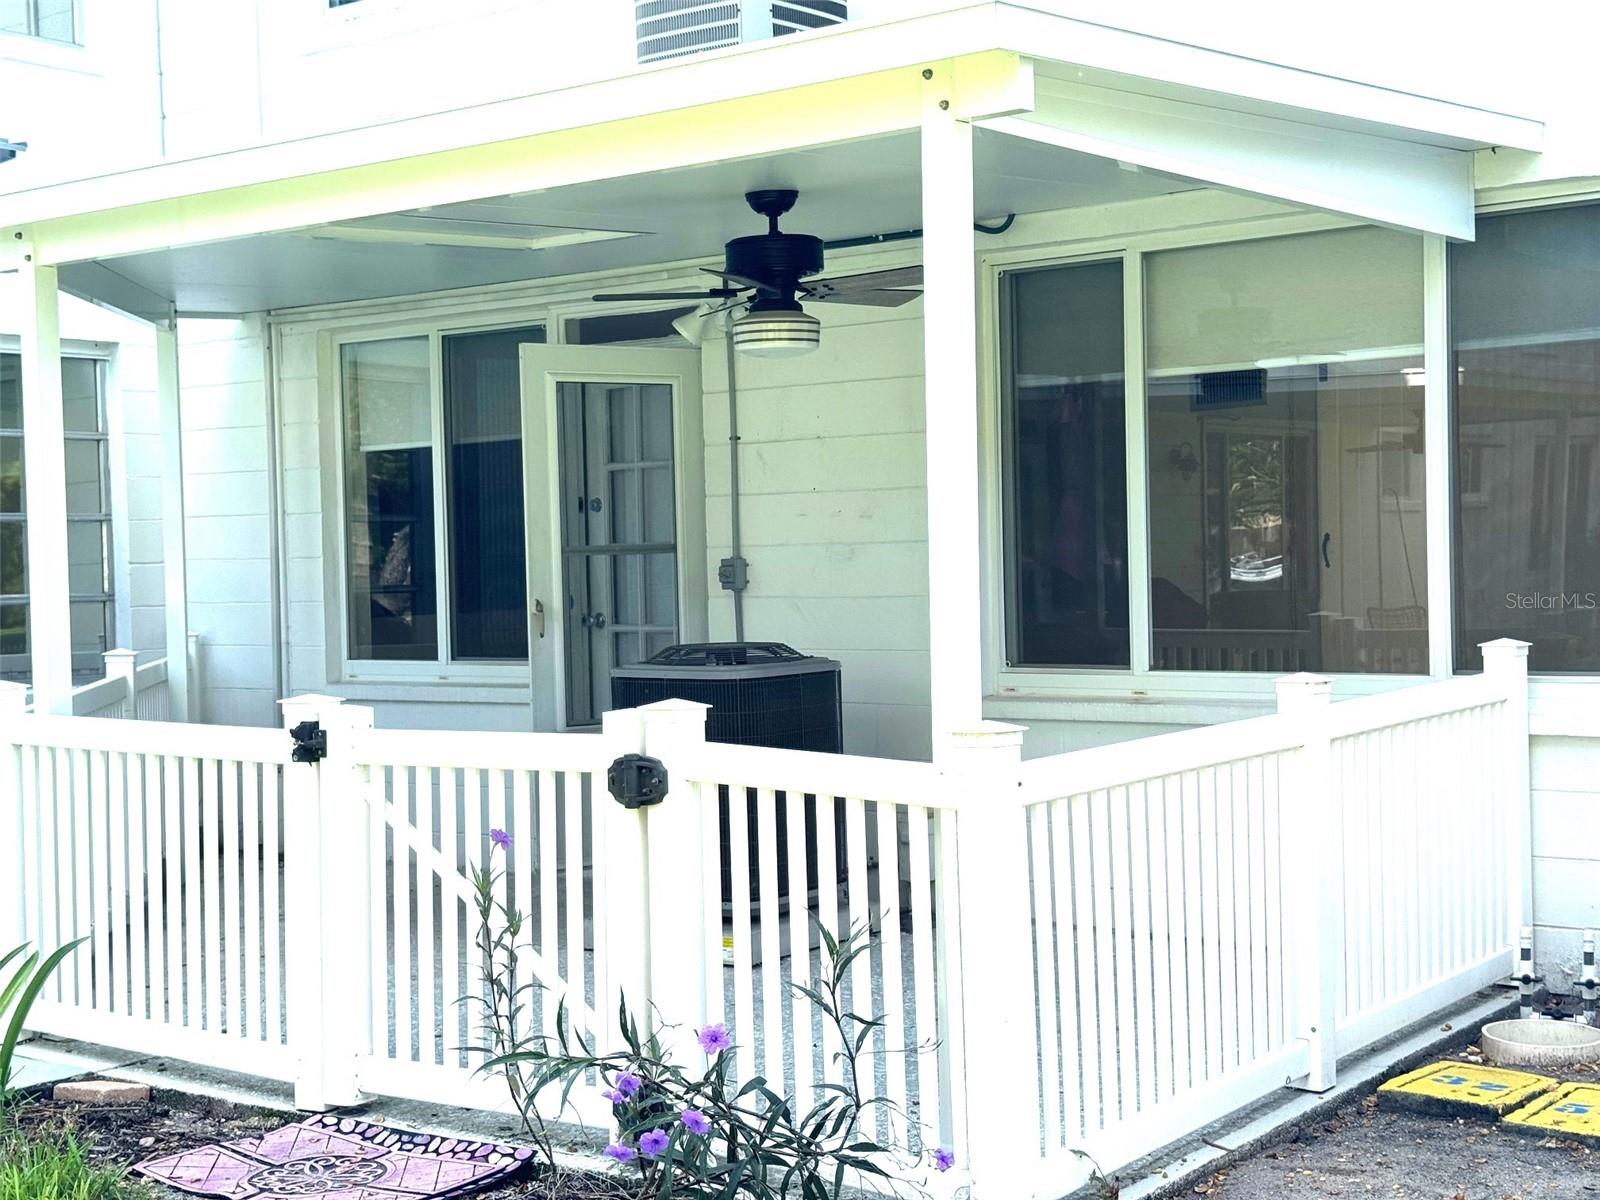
x: 54, y: 1164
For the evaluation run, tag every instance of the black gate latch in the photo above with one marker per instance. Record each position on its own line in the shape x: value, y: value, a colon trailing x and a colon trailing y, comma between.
x: 637, y: 780
x: 310, y: 742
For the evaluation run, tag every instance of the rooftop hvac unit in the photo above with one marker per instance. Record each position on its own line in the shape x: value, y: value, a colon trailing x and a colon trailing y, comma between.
x: 672, y: 28
x: 761, y: 694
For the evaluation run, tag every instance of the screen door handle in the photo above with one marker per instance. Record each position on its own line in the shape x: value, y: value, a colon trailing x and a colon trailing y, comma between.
x: 1327, y: 538
x: 538, y: 616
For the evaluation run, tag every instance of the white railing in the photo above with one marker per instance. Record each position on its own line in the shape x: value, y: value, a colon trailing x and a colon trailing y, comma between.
x: 160, y: 847
x: 797, y: 843
x: 1218, y: 910
x: 129, y: 690
x: 1160, y: 934
x: 1099, y: 951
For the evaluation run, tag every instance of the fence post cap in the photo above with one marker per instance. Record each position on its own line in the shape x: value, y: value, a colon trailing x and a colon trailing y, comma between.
x: 673, y: 706
x: 1509, y: 647
x: 13, y: 696
x: 299, y: 708
x: 120, y: 654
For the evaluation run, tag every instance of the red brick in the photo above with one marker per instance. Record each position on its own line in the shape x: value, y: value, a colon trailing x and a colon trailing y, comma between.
x: 101, y: 1091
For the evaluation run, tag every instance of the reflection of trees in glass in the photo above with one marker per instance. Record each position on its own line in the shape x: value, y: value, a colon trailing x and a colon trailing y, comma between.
x: 1255, y: 508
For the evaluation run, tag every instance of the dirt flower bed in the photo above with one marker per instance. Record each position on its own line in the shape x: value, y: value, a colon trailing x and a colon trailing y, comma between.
x: 123, y: 1134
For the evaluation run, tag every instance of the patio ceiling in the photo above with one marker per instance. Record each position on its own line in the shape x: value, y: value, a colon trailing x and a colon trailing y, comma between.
x: 852, y: 189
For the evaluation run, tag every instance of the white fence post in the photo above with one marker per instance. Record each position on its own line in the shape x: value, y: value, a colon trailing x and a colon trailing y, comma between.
x: 677, y: 858
x: 622, y: 901
x: 1505, y: 663
x: 1313, y: 841
x: 327, y: 887
x: 192, y: 664
x: 982, y: 769
x: 121, y: 664
x: 13, y: 911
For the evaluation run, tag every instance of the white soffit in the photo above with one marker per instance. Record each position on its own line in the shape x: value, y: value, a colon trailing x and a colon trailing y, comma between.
x: 1403, y: 184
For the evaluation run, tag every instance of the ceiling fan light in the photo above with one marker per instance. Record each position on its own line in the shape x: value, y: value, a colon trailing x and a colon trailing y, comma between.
x: 777, y: 334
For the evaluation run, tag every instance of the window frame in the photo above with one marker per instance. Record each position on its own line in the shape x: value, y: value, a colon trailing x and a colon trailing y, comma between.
x: 113, y: 600
x: 484, y: 316
x: 76, y: 41
x: 1138, y: 693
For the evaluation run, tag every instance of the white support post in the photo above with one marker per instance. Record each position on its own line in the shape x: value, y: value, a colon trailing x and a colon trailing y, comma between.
x: 677, y: 859
x: 1439, y: 463
x: 1505, y: 663
x: 950, y: 400
x: 327, y: 870
x: 981, y: 766
x: 176, y: 591
x: 45, y: 490
x: 196, y: 679
x: 13, y: 907
x: 1314, y: 833
x: 122, y: 664
x: 626, y: 900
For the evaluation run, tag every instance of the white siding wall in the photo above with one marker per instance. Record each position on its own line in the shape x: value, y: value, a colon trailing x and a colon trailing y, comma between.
x: 1566, y: 852
x: 227, y: 495
x: 834, y: 513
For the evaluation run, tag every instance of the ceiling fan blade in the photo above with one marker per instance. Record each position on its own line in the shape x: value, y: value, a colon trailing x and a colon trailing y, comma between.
x: 708, y: 294
x: 873, y: 299
x: 898, y: 277
x: 881, y: 289
x: 744, y: 281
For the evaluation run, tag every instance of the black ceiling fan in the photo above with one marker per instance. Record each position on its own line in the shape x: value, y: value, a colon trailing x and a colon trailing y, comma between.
x: 769, y: 271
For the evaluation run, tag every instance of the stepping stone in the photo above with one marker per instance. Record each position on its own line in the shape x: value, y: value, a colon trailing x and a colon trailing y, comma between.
x: 1459, y: 1089
x: 1572, y: 1110
x: 101, y: 1091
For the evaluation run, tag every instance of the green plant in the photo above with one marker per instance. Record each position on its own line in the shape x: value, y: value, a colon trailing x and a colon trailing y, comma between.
x: 52, y: 1164
x: 17, y: 996
x: 693, y: 1132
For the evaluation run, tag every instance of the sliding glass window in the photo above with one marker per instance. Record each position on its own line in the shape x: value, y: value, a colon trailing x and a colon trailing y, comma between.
x: 1065, y: 467
x: 1525, y: 323
x: 389, y: 500
x: 1285, y: 402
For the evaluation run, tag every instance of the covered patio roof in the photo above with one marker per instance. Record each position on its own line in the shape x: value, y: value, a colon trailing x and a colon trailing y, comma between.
x: 542, y: 185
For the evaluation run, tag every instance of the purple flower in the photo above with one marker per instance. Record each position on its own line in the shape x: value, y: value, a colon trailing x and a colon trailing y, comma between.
x: 500, y: 839
x: 943, y: 1160
x: 695, y: 1121
x: 612, y: 1096
x: 653, y: 1143
x: 714, y: 1039
x: 617, y: 1152
x: 628, y: 1083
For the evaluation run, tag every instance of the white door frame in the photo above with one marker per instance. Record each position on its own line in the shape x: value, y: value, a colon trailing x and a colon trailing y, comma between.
x: 544, y: 368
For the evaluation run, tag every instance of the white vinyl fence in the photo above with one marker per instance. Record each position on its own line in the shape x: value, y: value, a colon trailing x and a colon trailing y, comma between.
x: 1099, y: 951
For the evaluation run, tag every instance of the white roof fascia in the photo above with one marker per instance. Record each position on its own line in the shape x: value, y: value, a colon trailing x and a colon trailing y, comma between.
x: 1405, y: 185
x: 785, y: 68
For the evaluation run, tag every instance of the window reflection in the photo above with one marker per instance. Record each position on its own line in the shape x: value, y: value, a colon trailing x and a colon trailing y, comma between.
x: 1285, y: 441
x: 1525, y: 320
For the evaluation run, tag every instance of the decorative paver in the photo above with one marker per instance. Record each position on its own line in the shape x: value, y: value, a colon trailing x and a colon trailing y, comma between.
x: 1463, y: 1089
x: 1572, y: 1110
x: 340, y: 1158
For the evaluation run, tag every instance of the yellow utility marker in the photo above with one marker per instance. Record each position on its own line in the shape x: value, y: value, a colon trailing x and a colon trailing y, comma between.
x: 1572, y: 1110
x: 1463, y: 1089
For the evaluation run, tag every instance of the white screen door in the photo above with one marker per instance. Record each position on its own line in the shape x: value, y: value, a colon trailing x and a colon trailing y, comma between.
x: 613, y: 479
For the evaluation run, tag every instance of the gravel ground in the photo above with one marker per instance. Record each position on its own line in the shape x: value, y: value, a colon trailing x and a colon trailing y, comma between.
x: 1364, y: 1151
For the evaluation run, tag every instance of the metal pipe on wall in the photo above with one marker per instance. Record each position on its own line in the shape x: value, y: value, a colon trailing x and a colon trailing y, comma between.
x: 735, y: 554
